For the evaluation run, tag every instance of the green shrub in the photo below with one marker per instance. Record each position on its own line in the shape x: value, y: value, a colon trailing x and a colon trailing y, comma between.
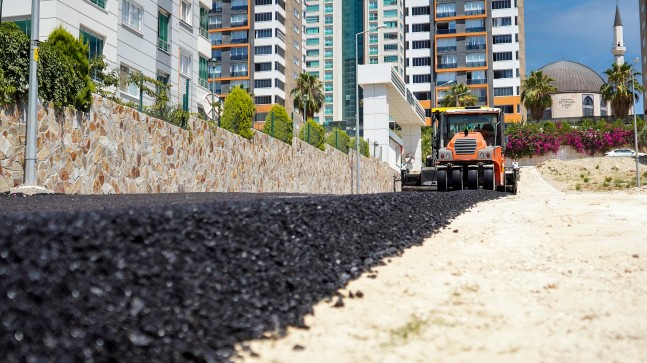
x: 237, y: 114
x: 642, y: 136
x: 363, y: 146
x: 339, y: 140
x: 14, y: 63
x: 550, y: 128
x: 313, y: 134
x: 282, y: 128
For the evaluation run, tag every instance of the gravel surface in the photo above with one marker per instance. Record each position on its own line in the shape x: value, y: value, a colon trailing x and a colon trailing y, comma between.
x: 184, y: 277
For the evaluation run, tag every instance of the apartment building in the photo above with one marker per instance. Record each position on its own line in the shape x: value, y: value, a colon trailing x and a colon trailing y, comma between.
x: 330, y: 32
x: 164, y: 39
x: 419, y: 52
x: 477, y: 43
x: 643, y: 45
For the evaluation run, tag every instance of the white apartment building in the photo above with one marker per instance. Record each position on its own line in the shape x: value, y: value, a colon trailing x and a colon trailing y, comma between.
x: 419, y: 53
x: 385, y: 45
x: 508, y: 55
x: 167, y: 39
x: 269, y: 58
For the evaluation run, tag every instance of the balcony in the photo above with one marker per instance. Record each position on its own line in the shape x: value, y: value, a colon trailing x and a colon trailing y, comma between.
x: 238, y: 57
x: 235, y: 24
x: 477, y: 81
x: 474, y: 46
x: 446, y: 65
x: 239, y: 73
x: 163, y: 45
x: 203, y: 83
x: 475, y: 29
x: 446, y: 49
x: 239, y: 40
x: 204, y: 32
x: 441, y: 83
x: 445, y: 31
x: 476, y: 64
x: 475, y: 12
x: 239, y: 8
x: 446, y: 14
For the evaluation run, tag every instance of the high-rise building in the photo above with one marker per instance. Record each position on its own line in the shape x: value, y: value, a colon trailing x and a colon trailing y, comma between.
x: 643, y: 45
x: 420, y: 55
x: 477, y: 43
x: 268, y: 56
x: 164, y: 41
x: 230, y: 29
x: 331, y: 30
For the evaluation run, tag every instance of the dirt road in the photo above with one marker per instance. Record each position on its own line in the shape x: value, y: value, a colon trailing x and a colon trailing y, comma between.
x: 543, y: 276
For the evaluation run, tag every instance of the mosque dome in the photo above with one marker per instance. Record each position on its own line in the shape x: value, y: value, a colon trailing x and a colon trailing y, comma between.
x: 573, y: 77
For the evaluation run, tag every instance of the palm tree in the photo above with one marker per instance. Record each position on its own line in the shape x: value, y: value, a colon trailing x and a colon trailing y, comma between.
x: 458, y: 95
x: 535, y: 93
x: 621, y: 86
x: 308, y: 94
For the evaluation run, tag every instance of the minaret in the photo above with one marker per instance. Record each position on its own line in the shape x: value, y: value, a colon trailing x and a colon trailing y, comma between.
x: 618, y: 50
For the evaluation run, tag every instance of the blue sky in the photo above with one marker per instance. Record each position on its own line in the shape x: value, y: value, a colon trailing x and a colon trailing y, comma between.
x: 579, y: 31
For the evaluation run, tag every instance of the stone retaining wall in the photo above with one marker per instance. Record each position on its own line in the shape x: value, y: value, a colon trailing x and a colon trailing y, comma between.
x: 115, y: 149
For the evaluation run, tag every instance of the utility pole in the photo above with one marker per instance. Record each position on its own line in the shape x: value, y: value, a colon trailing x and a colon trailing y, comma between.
x: 30, y: 185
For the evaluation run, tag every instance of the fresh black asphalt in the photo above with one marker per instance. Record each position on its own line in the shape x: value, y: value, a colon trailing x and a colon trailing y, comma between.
x: 184, y: 277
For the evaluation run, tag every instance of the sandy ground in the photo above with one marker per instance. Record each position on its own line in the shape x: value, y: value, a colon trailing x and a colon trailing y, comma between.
x: 543, y: 276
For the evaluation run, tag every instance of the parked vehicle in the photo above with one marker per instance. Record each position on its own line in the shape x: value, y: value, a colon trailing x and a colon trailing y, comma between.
x: 624, y: 152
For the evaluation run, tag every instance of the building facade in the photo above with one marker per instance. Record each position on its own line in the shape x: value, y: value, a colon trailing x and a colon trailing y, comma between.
x: 477, y: 43
x: 643, y: 45
x: 166, y: 40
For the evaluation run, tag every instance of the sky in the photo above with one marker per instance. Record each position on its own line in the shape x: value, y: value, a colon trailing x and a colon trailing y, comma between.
x: 579, y: 31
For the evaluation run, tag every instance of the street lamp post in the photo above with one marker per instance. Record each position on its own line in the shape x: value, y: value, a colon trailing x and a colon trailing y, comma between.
x: 357, y: 101
x: 633, y: 97
x: 32, y: 122
x: 212, y: 64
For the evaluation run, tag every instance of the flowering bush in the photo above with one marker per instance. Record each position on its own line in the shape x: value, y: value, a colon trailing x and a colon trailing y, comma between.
x: 530, y: 140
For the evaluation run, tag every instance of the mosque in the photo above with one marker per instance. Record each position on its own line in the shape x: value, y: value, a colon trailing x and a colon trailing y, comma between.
x: 578, y: 86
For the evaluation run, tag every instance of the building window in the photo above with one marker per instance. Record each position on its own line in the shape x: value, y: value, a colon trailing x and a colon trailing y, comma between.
x: 445, y: 10
x: 263, y: 100
x: 390, y: 59
x: 185, y: 12
x: 239, y: 37
x: 163, y: 31
x: 587, y: 108
x: 390, y: 13
x: 475, y: 43
x: 389, y: 47
x: 501, y: 4
x: 238, y: 53
x: 238, y: 20
x: 263, y: 50
x: 263, y: 17
x: 501, y: 39
x: 474, y: 8
x: 420, y: 10
x: 238, y: 70
x: 125, y: 85
x: 505, y: 21
x: 421, y: 78
x: 203, y: 73
x: 263, y: 2
x: 314, y: 30
x: 99, y: 3
x: 312, y: 41
x: 131, y: 15
x: 263, y: 67
x: 263, y: 33
x: 503, y: 91
x: 446, y: 45
x: 502, y: 73
x: 502, y: 56
x: 417, y: 28
x: 475, y: 60
x: 474, y: 25
x: 263, y: 83
x: 421, y: 44
x: 185, y: 64
x: 423, y: 61
x: 204, y: 22
x: 312, y: 53
x: 95, y: 44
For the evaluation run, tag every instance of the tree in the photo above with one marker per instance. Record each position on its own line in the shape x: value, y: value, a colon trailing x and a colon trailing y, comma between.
x: 64, y: 71
x: 238, y: 112
x: 14, y: 64
x: 458, y: 95
x: 313, y: 134
x: 104, y: 79
x: 535, y: 93
x: 282, y: 127
x: 339, y: 140
x: 621, y: 86
x: 308, y: 92
x: 363, y: 146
